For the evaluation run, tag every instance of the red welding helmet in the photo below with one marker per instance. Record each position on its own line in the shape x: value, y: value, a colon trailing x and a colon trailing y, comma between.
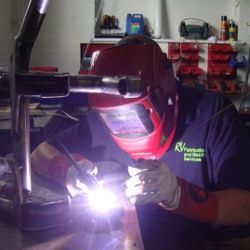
x: 144, y: 126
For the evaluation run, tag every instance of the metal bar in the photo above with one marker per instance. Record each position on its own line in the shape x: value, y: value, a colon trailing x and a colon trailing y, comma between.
x: 20, y: 59
x: 25, y: 150
x: 59, y: 85
x: 127, y: 86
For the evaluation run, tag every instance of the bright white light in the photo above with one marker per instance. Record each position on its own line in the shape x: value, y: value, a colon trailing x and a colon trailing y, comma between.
x: 103, y: 200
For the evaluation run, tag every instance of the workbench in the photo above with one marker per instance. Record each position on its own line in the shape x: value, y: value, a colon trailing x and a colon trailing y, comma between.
x: 70, y: 237
x: 69, y: 227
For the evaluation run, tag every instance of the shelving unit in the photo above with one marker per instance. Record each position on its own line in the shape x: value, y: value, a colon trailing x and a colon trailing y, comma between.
x: 199, y: 62
x: 200, y: 65
x: 172, y: 13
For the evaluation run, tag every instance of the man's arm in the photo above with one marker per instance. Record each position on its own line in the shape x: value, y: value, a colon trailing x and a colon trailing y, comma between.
x: 234, y: 207
x: 42, y: 156
x: 152, y: 182
x: 226, y: 207
x: 48, y: 161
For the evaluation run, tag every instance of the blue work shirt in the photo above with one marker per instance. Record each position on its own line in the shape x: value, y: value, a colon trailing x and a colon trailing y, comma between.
x: 210, y: 149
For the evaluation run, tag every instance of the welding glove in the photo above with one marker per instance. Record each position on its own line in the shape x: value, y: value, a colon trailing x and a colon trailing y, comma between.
x: 60, y: 169
x: 152, y: 182
x: 75, y: 182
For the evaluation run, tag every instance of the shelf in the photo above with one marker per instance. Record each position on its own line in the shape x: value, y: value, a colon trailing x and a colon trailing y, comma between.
x: 166, y: 41
x: 105, y: 40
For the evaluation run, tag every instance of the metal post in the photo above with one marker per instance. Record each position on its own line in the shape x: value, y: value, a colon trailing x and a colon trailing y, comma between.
x: 24, y: 42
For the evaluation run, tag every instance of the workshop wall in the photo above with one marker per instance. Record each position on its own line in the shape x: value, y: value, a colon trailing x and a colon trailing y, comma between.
x: 69, y: 23
x: 244, y: 21
x: 173, y: 11
x: 9, y: 24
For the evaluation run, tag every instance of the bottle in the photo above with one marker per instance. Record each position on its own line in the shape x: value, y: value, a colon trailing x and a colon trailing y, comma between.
x: 128, y: 23
x: 223, y: 29
x: 232, y: 31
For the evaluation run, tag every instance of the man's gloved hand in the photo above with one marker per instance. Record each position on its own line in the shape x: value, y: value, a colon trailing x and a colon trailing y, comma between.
x: 75, y: 182
x: 60, y: 170
x: 152, y: 182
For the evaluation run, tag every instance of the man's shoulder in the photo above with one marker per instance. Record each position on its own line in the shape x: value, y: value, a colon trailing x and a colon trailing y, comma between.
x: 202, y: 98
x: 199, y: 92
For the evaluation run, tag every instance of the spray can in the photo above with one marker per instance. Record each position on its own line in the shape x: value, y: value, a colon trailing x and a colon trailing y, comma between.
x: 232, y: 31
x: 223, y: 29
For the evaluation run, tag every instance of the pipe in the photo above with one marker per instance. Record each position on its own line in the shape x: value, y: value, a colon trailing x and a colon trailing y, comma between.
x: 28, y: 33
x: 59, y: 85
x: 128, y: 87
x: 20, y: 59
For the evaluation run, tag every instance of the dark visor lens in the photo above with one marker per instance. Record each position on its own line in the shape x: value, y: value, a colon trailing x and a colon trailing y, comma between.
x: 130, y: 122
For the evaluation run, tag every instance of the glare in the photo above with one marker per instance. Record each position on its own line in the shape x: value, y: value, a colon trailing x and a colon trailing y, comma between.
x: 103, y: 200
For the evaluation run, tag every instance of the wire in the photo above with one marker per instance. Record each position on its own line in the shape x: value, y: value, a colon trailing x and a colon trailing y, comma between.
x: 93, y: 32
x: 43, y: 114
x: 209, y: 119
x: 69, y: 116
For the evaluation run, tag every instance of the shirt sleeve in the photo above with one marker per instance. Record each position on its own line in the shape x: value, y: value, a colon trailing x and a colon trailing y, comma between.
x: 229, y: 147
x: 76, y: 138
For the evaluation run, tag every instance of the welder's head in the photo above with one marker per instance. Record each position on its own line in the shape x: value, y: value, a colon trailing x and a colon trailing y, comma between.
x: 144, y: 126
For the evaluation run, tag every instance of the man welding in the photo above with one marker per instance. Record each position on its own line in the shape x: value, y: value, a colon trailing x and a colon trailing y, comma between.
x: 186, y: 151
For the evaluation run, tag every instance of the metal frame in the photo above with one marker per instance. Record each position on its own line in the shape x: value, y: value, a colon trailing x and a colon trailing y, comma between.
x: 25, y: 85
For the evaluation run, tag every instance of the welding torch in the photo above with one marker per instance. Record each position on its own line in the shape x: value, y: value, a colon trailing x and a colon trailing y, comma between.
x: 84, y: 175
x: 101, y: 199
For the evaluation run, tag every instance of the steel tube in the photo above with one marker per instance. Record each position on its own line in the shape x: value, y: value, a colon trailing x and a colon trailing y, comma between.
x: 24, y: 42
x: 129, y: 87
x: 25, y: 150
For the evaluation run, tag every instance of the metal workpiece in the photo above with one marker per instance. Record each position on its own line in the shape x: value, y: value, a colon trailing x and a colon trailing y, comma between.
x: 72, y: 222
x: 43, y: 209
x: 24, y: 151
x: 42, y: 85
x: 20, y: 59
x: 45, y: 85
x: 126, y: 86
x: 37, y: 204
x: 124, y: 238
x: 77, y: 234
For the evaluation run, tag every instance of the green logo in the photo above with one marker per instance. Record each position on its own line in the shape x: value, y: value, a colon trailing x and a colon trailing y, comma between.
x: 179, y: 146
x: 190, y: 154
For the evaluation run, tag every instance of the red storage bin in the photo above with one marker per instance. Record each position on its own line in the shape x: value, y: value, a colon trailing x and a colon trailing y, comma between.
x: 44, y: 69
x: 215, y: 70
x: 194, y: 47
x: 196, y: 71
